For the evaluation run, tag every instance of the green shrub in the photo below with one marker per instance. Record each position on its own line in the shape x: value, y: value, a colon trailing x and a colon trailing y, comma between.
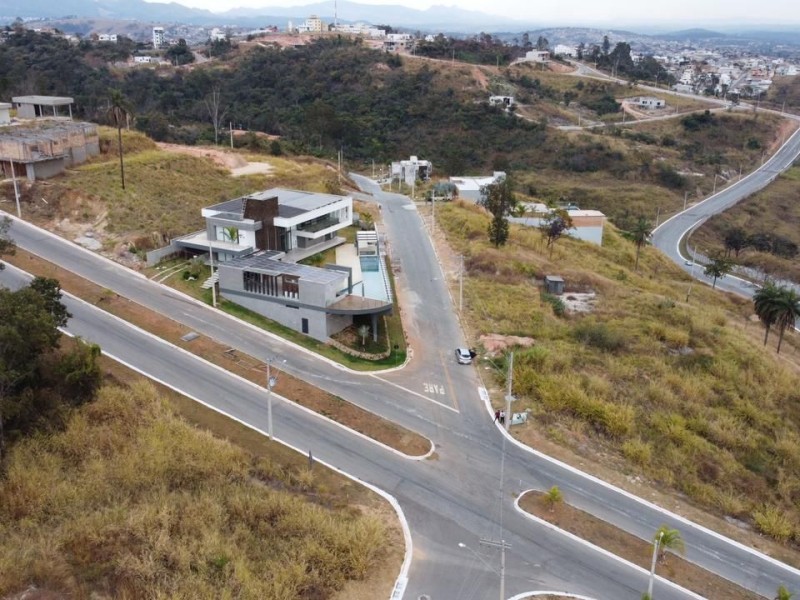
x: 773, y: 522
x: 559, y: 308
x: 637, y: 451
x: 601, y: 336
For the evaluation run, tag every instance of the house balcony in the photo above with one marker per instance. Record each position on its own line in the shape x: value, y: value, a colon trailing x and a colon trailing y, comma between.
x: 319, y: 228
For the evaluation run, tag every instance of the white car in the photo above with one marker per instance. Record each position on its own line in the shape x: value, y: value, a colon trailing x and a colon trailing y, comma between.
x: 463, y: 356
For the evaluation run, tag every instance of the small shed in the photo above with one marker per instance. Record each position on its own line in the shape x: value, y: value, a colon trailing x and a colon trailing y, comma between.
x: 553, y: 284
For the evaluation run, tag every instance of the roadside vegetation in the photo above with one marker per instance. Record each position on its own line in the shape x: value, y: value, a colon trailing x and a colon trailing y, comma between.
x: 130, y: 500
x: 761, y: 232
x: 681, y: 393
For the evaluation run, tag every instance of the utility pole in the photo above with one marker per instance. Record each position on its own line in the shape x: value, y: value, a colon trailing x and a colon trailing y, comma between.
x: 509, y: 397
x: 16, y: 189
x: 685, y: 197
x: 658, y: 215
x: 461, y: 285
x: 213, y: 283
x: 691, y: 273
x: 230, y: 123
x: 502, y: 545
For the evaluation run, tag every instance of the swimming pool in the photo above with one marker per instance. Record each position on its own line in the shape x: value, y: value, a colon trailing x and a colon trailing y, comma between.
x: 375, y: 282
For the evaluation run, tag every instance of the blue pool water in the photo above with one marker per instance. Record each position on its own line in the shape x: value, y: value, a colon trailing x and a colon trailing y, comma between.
x: 374, y: 280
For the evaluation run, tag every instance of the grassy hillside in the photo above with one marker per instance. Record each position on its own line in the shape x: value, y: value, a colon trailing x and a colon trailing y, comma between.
x: 129, y: 501
x: 773, y: 211
x: 679, y: 392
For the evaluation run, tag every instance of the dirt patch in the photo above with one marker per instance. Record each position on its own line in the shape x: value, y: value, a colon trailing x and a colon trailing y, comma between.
x: 633, y: 549
x: 579, y: 303
x: 235, y: 163
x: 480, y: 78
x: 245, y: 366
x: 495, y: 343
x: 785, y: 129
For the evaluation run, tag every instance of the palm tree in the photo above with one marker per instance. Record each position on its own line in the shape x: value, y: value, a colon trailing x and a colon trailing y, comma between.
x: 764, y: 303
x: 639, y: 235
x: 787, y: 311
x: 231, y: 233
x: 363, y: 331
x: 118, y: 111
x: 668, y: 539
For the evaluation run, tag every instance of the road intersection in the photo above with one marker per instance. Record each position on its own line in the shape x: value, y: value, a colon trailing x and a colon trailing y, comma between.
x: 449, y: 500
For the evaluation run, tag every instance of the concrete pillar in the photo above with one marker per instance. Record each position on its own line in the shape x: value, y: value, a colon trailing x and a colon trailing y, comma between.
x: 374, y: 327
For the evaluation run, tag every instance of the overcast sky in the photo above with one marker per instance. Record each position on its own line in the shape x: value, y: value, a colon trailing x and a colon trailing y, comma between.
x: 577, y: 12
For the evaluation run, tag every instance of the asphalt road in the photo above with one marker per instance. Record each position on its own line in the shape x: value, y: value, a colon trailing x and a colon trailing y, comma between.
x: 455, y: 497
x: 667, y: 236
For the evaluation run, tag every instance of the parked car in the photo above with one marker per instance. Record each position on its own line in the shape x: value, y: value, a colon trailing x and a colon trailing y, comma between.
x: 464, y: 356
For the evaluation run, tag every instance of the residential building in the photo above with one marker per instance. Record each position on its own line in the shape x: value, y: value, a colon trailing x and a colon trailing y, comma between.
x: 469, y: 188
x: 502, y: 101
x: 32, y: 107
x: 312, y: 24
x: 158, y: 37
x: 360, y: 29
x: 648, y: 102
x: 395, y: 42
x: 563, y: 50
x: 217, y: 35
x: 408, y: 171
x: 537, y: 56
x: 107, y: 37
x: 144, y: 60
x: 47, y: 148
x: 587, y: 225
x: 318, y: 302
x: 291, y: 221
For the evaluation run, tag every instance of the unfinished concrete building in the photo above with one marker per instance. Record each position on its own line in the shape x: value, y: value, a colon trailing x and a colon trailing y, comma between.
x: 43, y: 149
x: 34, y: 107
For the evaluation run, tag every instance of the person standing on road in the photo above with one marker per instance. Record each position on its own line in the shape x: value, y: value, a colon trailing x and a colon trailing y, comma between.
x: 502, y: 417
x: 496, y: 416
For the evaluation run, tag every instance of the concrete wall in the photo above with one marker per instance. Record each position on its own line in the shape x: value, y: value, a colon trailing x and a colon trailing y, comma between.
x: 281, y: 311
x: 156, y: 256
x: 45, y: 169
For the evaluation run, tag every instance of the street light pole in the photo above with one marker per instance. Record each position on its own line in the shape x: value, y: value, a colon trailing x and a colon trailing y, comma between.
x: 271, y: 381
x: 461, y: 285
x: 653, y: 566
x: 16, y: 189
x: 685, y: 197
x: 509, y: 397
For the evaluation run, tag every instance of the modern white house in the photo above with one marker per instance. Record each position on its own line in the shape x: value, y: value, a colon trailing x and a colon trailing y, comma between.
x: 537, y: 56
x: 648, y: 102
x: 564, y: 50
x: 587, y: 225
x: 469, y: 188
x: 294, y: 222
x: 501, y: 101
x: 395, y: 42
x: 107, y: 37
x: 408, y: 171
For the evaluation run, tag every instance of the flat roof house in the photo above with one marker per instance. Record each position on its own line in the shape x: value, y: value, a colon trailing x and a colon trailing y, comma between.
x: 408, y: 171
x: 32, y: 107
x: 47, y: 148
x: 469, y: 188
x: 315, y: 301
x: 294, y: 222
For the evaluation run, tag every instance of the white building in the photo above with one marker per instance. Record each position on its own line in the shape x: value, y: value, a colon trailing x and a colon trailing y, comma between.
x: 217, y: 35
x: 107, y: 37
x: 158, y: 37
x: 563, y: 50
x: 312, y: 24
x: 398, y: 41
x: 361, y: 29
x: 648, y: 102
x: 5, y: 113
x: 502, y: 101
x: 469, y: 188
x: 144, y: 60
x: 537, y: 56
x: 408, y: 171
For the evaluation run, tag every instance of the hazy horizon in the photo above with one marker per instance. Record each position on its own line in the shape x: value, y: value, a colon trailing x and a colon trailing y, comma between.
x: 623, y: 13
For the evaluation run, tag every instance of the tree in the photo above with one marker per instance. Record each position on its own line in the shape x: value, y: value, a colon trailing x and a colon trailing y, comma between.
x: 787, y: 311
x: 542, y: 43
x: 765, y: 302
x: 783, y: 593
x: 639, y: 235
x: 606, y: 45
x: 212, y: 102
x: 735, y: 241
x: 7, y: 245
x: 498, y: 198
x: 231, y: 234
x: 180, y: 53
x: 668, y: 539
x: 718, y: 268
x: 553, y: 497
x: 554, y: 225
x: 28, y: 329
x: 119, y: 110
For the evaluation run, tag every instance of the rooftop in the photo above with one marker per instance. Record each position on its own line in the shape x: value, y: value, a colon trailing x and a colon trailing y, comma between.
x: 43, y: 100
x: 264, y: 262
x: 290, y: 202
